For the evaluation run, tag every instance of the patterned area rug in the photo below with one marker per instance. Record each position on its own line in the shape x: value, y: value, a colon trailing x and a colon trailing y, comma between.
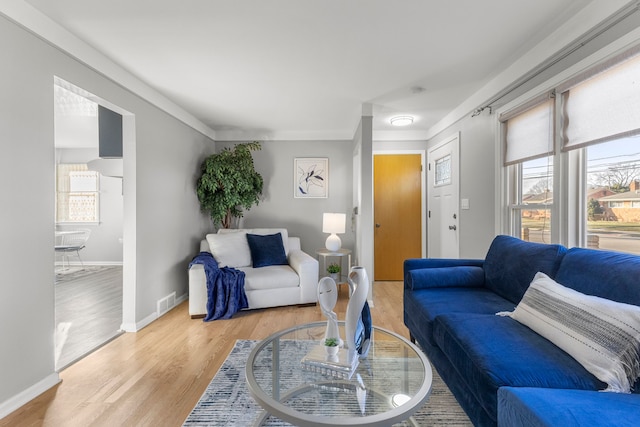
x: 226, y: 401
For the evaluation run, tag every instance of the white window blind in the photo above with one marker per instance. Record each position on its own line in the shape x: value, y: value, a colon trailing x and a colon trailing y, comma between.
x: 83, y: 181
x: 604, y: 105
x: 529, y: 131
x: 77, y: 194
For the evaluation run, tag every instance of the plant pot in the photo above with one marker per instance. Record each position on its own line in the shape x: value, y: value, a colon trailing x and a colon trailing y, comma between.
x: 335, y: 277
x: 331, y: 351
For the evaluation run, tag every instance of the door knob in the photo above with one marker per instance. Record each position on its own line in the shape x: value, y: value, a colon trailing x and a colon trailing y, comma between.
x: 452, y: 227
x: 377, y: 225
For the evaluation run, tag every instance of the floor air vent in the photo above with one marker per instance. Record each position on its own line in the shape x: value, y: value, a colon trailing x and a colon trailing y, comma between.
x: 167, y: 303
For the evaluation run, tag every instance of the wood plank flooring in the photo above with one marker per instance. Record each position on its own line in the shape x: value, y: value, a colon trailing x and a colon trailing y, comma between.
x: 156, y: 376
x: 88, y: 311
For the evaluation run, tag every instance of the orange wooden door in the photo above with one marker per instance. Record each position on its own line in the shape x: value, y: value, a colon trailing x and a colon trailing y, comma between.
x: 397, y: 192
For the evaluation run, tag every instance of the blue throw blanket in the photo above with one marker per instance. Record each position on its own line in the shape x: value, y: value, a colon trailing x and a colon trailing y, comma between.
x: 225, y: 288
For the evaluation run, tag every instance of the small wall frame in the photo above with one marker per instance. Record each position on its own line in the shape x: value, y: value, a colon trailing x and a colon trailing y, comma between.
x: 311, y: 177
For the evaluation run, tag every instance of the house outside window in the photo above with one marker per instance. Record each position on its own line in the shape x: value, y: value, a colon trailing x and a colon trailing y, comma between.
x: 77, y: 194
x: 592, y: 162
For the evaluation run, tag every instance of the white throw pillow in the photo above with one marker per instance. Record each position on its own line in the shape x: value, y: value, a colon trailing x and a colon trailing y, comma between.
x: 230, y: 249
x: 603, y: 335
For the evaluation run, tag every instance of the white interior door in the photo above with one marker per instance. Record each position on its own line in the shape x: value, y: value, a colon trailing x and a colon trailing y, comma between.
x: 443, y: 187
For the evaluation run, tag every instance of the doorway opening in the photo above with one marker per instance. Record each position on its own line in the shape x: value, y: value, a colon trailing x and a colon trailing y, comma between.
x: 89, y: 224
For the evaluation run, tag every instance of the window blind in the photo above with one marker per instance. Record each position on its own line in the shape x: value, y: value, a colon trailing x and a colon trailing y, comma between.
x: 604, y: 105
x: 529, y: 131
x: 77, y: 193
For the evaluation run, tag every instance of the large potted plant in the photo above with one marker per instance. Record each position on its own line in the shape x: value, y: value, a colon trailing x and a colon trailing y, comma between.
x: 229, y: 183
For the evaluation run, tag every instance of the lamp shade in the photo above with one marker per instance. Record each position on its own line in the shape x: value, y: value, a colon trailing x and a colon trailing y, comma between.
x: 333, y: 223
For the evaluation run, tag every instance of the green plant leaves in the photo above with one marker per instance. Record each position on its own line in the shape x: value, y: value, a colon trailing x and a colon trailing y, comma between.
x: 229, y: 183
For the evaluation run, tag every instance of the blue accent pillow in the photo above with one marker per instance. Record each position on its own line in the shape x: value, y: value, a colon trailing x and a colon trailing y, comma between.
x: 266, y: 250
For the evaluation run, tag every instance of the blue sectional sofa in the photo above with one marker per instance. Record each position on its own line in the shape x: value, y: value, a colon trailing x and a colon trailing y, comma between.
x: 501, y: 371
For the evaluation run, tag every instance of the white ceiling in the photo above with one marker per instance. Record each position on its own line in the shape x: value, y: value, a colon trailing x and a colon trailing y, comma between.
x: 286, y: 69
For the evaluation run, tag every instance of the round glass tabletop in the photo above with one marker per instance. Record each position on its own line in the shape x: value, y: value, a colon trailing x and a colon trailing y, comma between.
x: 386, y: 387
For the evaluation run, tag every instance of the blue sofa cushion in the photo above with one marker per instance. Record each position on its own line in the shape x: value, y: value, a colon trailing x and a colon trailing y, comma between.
x: 605, y: 274
x: 603, y: 335
x: 423, y: 306
x: 542, y: 407
x: 490, y: 351
x: 511, y: 264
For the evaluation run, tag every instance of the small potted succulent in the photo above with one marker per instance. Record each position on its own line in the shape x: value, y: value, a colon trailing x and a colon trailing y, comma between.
x: 334, y: 271
x: 331, y: 345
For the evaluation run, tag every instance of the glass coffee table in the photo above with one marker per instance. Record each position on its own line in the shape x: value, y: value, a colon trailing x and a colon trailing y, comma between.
x: 388, y: 386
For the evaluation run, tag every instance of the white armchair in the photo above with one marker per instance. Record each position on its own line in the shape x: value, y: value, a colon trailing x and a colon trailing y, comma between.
x: 269, y: 286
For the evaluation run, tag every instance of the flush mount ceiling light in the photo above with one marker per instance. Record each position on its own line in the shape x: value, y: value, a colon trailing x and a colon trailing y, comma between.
x: 401, y: 120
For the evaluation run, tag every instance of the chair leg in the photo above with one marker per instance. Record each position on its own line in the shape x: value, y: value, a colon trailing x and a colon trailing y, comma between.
x: 80, y: 259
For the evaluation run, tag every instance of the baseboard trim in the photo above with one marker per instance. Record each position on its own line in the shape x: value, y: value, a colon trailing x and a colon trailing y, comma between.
x: 20, y: 399
x: 181, y: 299
x: 135, y: 327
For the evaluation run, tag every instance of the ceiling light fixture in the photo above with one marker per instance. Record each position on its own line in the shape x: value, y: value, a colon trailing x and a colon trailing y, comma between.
x: 401, y: 120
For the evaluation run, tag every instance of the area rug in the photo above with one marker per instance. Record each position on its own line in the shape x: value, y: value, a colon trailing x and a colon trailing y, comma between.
x: 227, y: 402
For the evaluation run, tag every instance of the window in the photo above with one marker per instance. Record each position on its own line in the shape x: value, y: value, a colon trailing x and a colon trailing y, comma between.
x: 601, y: 110
x: 77, y: 194
x: 443, y: 171
x: 592, y: 161
x: 531, y: 204
x: 529, y: 145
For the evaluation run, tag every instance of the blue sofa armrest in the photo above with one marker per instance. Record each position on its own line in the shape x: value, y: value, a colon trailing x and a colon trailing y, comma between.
x: 438, y: 273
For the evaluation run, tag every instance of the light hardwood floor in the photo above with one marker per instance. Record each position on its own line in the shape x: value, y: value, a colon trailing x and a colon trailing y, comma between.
x: 156, y: 376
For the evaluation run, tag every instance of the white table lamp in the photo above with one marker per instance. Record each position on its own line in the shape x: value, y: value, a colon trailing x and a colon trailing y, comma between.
x: 333, y: 223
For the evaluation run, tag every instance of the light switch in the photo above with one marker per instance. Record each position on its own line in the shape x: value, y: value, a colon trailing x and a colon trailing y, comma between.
x: 464, y: 204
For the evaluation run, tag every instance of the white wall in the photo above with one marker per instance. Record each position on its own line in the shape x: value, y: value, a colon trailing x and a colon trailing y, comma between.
x: 477, y: 182
x: 302, y: 217
x: 168, y: 223
x: 365, y: 253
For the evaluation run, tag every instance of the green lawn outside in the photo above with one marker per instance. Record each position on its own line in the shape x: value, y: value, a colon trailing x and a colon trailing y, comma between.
x: 540, y: 224
x: 613, y: 226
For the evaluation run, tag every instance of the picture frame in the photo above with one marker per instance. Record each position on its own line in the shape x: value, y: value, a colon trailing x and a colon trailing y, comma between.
x: 311, y: 177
